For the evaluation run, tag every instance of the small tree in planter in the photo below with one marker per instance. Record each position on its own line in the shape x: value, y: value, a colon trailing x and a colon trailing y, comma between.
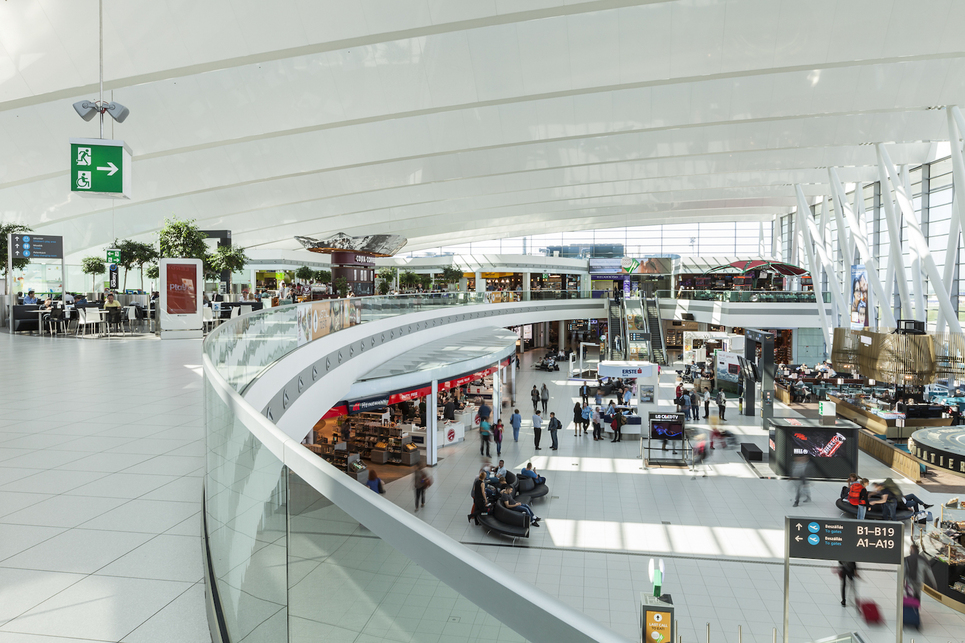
x: 425, y: 281
x: 388, y: 275
x: 451, y: 275
x: 152, y: 272
x: 93, y: 266
x: 19, y: 263
x: 408, y: 279
x: 384, y: 287
x: 322, y: 276
x: 305, y: 274
x: 341, y: 285
x: 230, y: 258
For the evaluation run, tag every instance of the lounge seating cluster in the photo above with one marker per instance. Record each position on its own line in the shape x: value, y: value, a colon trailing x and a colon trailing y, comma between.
x: 506, y: 521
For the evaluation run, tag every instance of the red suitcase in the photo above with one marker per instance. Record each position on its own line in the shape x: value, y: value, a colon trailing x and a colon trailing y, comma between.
x: 870, y: 612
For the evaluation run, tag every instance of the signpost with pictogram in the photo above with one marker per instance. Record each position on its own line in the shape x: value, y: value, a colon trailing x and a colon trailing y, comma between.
x: 100, y: 168
x: 27, y: 245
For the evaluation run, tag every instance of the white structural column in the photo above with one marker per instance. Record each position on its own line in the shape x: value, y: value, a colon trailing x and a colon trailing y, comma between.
x: 918, y: 292
x: 527, y: 277
x: 497, y: 394
x: 801, y: 219
x: 432, y: 444
x: 776, y: 250
x: 760, y: 239
x: 856, y: 223
x: 827, y: 261
x: 918, y: 240
x: 480, y: 282
x: 896, y: 263
x: 956, y: 131
x: 845, y: 244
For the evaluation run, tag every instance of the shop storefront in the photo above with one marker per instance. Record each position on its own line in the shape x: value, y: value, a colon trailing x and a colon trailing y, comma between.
x: 636, y: 277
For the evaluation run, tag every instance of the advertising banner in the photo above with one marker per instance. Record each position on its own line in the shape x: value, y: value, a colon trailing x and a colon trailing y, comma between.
x: 629, y: 265
x: 859, y: 297
x: 303, y: 323
x: 819, y: 443
x: 367, y: 404
x: 182, y: 292
x: 727, y: 370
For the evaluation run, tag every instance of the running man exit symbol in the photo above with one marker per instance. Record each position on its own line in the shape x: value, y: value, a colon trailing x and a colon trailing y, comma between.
x: 83, y: 156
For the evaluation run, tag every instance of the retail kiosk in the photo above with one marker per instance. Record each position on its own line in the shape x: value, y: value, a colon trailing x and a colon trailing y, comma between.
x: 646, y: 390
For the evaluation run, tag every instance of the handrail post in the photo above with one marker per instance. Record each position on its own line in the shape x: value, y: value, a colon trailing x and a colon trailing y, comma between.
x: 708, y: 632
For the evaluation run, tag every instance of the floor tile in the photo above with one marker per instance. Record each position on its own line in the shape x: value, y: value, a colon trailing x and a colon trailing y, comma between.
x: 82, y: 551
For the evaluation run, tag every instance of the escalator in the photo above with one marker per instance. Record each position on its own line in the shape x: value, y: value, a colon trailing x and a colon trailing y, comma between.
x: 652, y: 314
x: 616, y: 334
x: 638, y: 340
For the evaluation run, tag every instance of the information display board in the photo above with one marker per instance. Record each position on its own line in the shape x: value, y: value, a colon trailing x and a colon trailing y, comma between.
x: 858, y: 541
x: 36, y: 246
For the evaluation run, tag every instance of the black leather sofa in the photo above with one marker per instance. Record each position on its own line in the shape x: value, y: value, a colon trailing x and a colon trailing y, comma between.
x: 873, y: 513
x: 506, y: 521
x: 25, y: 318
x: 528, y: 487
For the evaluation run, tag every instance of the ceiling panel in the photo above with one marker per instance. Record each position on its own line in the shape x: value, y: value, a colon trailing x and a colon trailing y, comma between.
x: 450, y: 121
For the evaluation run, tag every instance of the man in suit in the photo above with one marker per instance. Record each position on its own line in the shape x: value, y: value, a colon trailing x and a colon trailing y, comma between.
x: 585, y: 393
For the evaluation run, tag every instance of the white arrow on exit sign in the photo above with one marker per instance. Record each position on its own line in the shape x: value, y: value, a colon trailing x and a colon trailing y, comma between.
x: 110, y: 170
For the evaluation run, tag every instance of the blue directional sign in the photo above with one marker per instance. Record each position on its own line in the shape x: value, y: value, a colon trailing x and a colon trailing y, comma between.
x: 860, y: 541
x: 33, y: 246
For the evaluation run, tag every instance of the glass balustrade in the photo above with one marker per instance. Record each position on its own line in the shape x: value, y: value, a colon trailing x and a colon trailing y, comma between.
x: 290, y: 562
x: 747, y: 296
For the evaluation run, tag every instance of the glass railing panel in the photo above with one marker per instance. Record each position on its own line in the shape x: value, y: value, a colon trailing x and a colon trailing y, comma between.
x: 347, y: 584
x: 245, y: 502
x: 747, y: 296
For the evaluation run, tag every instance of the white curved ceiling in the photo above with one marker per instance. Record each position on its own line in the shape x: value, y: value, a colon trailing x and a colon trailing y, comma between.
x: 457, y: 120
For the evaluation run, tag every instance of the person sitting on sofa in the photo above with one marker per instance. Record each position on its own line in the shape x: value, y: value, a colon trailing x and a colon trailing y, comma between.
x: 530, y: 472
x: 506, y: 497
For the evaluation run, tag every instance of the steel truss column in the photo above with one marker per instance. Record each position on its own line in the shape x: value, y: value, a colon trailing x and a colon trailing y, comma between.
x: 861, y: 245
x: 845, y: 243
x: 916, y: 276
x: 957, y: 223
x: 917, y: 239
x: 802, y: 219
x: 896, y: 263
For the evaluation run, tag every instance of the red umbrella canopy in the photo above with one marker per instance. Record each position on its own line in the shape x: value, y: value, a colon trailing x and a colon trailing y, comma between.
x: 786, y: 269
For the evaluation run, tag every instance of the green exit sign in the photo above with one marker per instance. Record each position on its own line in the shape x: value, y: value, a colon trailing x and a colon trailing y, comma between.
x: 100, y: 168
x: 113, y: 255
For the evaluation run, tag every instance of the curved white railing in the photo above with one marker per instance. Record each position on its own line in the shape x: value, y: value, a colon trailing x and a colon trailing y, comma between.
x: 300, y: 550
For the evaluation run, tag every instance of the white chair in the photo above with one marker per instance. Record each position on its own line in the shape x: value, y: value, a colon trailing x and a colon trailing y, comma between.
x: 245, y: 310
x: 207, y: 317
x: 131, y: 319
x: 88, y: 317
x: 235, y: 311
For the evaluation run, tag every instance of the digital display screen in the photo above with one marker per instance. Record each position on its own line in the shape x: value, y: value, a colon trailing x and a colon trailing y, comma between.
x: 666, y: 431
x: 819, y: 443
x: 182, y: 295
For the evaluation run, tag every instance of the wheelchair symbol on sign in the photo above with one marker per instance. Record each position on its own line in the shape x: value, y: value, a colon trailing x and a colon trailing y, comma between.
x: 83, y: 180
x: 83, y: 156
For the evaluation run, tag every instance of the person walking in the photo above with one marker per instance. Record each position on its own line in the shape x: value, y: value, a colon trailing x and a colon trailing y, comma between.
x: 706, y: 402
x: 585, y: 393
x: 597, y: 423
x: 618, y: 422
x: 498, y: 437
x: 587, y: 412
x: 799, y: 471
x: 694, y: 404
x: 685, y: 399
x: 480, y: 504
x: 485, y: 433
x: 537, y: 428
x: 721, y: 403
x: 544, y: 397
x: 554, y: 426
x: 847, y: 570
x: 534, y: 394
x: 917, y: 573
x: 421, y: 481
x: 577, y: 418
x: 515, y: 421
x: 598, y: 398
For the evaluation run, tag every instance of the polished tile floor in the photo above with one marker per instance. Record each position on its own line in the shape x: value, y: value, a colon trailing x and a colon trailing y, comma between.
x: 100, y: 479
x: 721, y: 536
x: 101, y: 456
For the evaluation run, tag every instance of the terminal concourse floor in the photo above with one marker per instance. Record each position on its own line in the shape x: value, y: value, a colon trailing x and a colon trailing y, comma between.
x: 721, y: 536
x: 101, y: 456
